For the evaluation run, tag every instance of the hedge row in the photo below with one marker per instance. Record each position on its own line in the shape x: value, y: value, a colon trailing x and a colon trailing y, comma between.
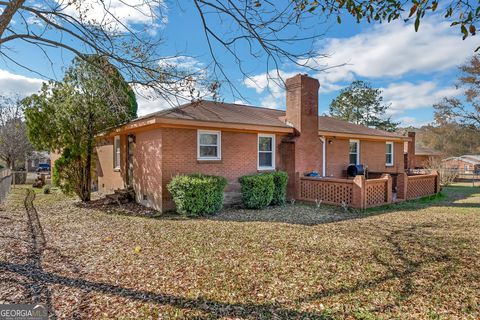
x: 261, y: 190
x: 197, y: 194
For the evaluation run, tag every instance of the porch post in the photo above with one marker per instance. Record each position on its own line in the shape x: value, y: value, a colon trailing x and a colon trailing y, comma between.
x: 389, y: 194
x: 402, y: 185
x: 358, y: 192
x: 324, y: 156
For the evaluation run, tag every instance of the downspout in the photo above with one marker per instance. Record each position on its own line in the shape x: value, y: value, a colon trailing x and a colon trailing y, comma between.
x: 324, y: 156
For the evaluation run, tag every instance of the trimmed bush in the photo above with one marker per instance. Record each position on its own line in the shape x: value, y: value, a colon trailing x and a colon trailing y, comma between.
x: 46, y: 189
x: 280, y: 179
x: 197, y: 194
x: 257, y: 190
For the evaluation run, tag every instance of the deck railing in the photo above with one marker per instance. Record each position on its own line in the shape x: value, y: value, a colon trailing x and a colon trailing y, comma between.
x: 365, y: 193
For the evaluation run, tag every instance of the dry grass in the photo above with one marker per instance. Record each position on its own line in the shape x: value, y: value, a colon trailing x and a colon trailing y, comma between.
x: 419, y: 260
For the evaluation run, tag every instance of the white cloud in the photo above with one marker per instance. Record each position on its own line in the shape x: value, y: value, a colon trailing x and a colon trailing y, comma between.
x: 394, y: 50
x: 183, y: 63
x: 13, y: 84
x: 387, y: 53
x: 272, y: 85
x: 409, y: 95
x: 412, y: 121
x: 118, y: 14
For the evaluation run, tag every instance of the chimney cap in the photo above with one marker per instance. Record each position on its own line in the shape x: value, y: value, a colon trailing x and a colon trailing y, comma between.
x: 299, y: 78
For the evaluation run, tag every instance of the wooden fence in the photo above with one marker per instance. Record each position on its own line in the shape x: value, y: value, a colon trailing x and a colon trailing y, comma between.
x: 365, y: 193
x: 356, y: 193
x: 417, y: 186
x: 328, y: 190
x: 5, y: 183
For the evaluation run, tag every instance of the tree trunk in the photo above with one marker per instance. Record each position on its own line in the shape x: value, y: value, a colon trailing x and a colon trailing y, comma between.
x: 87, y: 172
x: 7, y: 15
x: 88, y: 175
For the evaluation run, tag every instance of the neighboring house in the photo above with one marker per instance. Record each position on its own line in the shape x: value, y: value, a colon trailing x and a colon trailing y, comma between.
x: 418, y: 157
x: 37, y: 157
x: 463, y: 164
x: 232, y: 140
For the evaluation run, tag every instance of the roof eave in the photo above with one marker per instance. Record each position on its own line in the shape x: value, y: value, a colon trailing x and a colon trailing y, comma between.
x: 363, y: 136
x: 160, y: 122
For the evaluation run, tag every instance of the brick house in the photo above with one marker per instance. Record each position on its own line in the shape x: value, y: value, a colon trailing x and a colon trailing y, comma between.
x: 463, y: 164
x: 232, y: 140
x: 418, y: 157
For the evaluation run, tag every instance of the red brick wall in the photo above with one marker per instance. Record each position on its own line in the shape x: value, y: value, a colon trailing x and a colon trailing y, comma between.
x: 372, y: 154
x: 422, y: 161
x: 108, y: 178
x: 458, y: 164
x: 147, y: 168
x: 239, y: 157
x: 302, y: 113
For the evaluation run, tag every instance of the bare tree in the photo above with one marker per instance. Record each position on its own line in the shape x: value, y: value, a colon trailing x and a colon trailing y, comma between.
x: 14, y: 144
x: 235, y: 27
x: 464, y: 110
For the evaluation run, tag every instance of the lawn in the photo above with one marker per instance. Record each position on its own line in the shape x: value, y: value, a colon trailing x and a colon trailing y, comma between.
x: 418, y: 260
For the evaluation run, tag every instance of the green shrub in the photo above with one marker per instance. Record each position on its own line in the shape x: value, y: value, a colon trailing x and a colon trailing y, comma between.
x: 46, y: 189
x: 280, y: 179
x: 257, y: 190
x: 197, y: 195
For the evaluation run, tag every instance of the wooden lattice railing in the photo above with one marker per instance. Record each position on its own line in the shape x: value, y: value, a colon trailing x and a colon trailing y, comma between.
x: 362, y: 193
x: 421, y: 185
x: 376, y: 192
x: 326, y: 190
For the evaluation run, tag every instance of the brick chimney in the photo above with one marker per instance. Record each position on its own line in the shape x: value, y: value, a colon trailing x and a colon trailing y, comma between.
x: 302, y: 113
x: 411, y: 151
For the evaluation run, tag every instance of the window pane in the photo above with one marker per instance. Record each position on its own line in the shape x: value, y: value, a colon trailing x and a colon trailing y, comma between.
x: 353, y: 147
x: 117, y: 152
x: 208, y: 139
x: 353, y: 158
x: 389, y: 158
x: 265, y: 143
x: 265, y: 159
x: 207, y: 151
x: 389, y: 148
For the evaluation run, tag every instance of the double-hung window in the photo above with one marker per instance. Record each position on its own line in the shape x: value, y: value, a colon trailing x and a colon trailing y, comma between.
x: 209, y: 145
x: 389, y: 154
x: 354, y: 152
x: 116, y: 158
x: 266, y: 152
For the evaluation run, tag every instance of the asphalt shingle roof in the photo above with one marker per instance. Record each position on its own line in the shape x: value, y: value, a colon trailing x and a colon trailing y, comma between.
x: 236, y: 113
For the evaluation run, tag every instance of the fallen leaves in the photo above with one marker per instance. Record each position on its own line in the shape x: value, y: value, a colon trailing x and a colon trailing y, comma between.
x: 297, y: 261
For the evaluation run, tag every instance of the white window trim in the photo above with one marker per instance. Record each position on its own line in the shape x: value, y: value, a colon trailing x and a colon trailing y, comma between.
x: 116, y: 141
x: 358, y: 150
x: 261, y: 135
x: 391, y: 163
x: 219, y: 144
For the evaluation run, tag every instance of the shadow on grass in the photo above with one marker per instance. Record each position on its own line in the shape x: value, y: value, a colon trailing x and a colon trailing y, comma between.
x: 401, y: 261
x: 37, y: 282
x: 215, y: 309
x: 299, y: 213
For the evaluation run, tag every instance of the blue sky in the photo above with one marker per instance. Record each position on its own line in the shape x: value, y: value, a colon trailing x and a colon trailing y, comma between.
x: 414, y: 70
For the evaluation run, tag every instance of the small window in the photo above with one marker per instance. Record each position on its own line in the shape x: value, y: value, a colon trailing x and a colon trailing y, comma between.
x: 389, y: 154
x: 354, y: 152
x: 208, y: 145
x: 266, y: 152
x: 116, y: 159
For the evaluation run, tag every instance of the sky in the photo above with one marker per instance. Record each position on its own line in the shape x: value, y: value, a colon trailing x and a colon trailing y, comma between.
x: 413, y: 69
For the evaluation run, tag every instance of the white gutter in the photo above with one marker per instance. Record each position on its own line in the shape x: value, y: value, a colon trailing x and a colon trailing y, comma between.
x: 324, y: 156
